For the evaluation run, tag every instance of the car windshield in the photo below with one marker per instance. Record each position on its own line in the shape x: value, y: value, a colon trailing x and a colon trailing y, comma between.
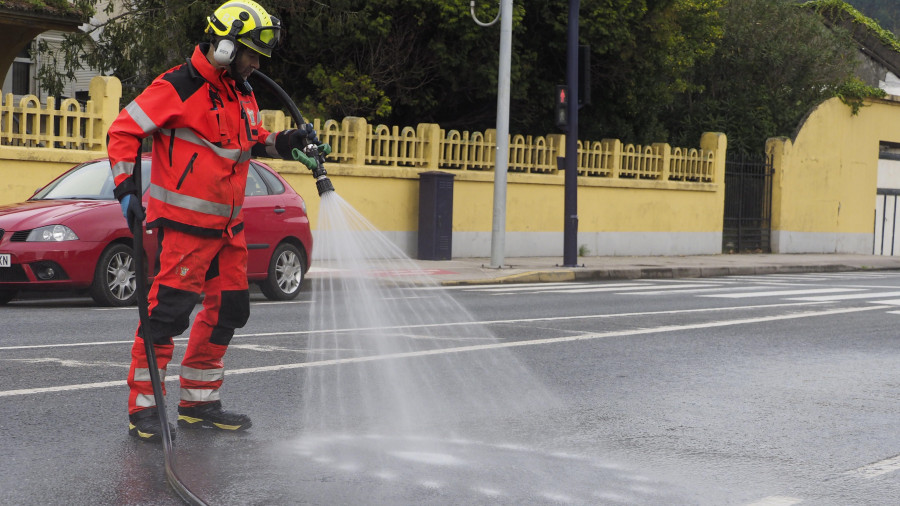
x: 90, y: 181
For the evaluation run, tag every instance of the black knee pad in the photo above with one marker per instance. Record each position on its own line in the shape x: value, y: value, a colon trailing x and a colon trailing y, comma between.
x: 172, y: 314
x: 233, y: 314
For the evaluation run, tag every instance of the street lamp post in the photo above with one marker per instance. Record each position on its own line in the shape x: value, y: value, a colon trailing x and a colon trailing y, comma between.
x: 501, y: 158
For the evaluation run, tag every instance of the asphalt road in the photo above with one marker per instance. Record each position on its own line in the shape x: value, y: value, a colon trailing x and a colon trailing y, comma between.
x: 763, y: 390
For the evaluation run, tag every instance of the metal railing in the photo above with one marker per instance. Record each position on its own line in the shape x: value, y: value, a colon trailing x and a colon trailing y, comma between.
x: 69, y: 125
x: 72, y: 125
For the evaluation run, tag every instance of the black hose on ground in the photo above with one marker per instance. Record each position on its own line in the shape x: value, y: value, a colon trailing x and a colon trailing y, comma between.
x: 323, y: 183
x: 143, y: 313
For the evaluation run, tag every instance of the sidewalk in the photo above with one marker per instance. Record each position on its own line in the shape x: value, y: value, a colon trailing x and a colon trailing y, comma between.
x: 473, y: 271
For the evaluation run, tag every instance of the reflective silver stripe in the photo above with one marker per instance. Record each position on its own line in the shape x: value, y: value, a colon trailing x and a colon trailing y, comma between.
x: 270, y: 139
x: 122, y: 168
x: 145, y: 401
x: 193, y: 203
x: 272, y: 152
x: 140, y: 117
x: 144, y: 374
x: 188, y: 135
x: 249, y: 10
x: 199, y: 394
x: 202, y: 374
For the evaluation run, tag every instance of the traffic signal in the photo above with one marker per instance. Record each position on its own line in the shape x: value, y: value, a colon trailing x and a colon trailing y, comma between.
x: 562, y: 107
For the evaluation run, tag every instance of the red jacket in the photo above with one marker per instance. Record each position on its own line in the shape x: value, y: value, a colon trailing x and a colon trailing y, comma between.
x: 203, y: 130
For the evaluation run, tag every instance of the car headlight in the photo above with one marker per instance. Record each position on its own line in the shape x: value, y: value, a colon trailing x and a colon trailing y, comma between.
x: 52, y: 233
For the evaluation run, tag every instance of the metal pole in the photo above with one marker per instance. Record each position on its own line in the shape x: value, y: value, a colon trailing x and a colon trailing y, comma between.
x: 570, y: 230
x: 501, y: 160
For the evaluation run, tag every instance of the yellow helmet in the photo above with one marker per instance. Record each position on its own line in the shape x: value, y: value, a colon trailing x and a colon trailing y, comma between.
x: 248, y: 23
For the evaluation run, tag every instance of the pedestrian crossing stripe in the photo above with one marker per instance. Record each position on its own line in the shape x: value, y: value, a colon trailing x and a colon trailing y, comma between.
x: 781, y: 293
x: 830, y: 298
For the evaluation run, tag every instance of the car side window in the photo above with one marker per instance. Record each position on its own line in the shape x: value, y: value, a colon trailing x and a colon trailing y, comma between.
x: 255, y: 185
x: 276, y: 187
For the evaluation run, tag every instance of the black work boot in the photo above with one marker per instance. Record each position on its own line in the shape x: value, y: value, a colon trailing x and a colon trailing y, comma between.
x: 212, y: 415
x: 144, y: 425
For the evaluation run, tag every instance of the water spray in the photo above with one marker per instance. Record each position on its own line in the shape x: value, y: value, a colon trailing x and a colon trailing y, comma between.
x: 312, y: 156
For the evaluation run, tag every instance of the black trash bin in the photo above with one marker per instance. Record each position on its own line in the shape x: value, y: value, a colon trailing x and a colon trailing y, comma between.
x: 435, y: 215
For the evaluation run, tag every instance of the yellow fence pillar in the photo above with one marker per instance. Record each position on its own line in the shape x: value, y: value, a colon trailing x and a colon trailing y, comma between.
x: 664, y: 153
x: 613, y: 149
x: 357, y: 132
x: 105, y: 93
x: 717, y: 143
x: 273, y: 121
x: 429, y: 135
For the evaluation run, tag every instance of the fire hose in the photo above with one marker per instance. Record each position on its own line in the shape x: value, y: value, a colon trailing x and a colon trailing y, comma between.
x: 313, y: 156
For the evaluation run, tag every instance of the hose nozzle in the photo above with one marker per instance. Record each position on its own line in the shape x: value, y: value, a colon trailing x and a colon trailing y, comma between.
x: 313, y: 157
x: 323, y: 185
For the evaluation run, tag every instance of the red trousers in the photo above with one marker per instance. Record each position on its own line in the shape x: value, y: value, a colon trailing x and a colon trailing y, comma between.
x: 188, y: 266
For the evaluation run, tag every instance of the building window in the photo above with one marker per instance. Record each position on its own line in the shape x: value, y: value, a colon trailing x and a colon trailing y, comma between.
x: 21, y: 72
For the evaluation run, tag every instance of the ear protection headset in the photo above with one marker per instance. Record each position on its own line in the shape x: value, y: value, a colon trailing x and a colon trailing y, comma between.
x: 225, y: 48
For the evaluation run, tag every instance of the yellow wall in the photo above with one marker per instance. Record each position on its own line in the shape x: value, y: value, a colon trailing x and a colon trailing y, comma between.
x: 24, y: 170
x: 615, y: 216
x: 824, y: 186
x: 622, y: 210
x: 823, y: 195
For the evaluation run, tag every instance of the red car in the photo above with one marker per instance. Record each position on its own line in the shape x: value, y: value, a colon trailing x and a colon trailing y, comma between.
x: 71, y: 235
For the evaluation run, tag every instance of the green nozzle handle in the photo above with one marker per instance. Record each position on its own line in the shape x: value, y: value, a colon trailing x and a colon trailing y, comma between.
x: 309, y: 161
x: 301, y: 157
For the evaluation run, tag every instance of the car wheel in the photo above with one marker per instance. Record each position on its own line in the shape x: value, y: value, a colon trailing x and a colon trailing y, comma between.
x: 114, y: 278
x: 285, y: 273
x: 7, y: 295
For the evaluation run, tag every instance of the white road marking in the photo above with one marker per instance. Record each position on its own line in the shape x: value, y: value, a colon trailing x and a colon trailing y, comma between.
x: 877, y: 468
x: 830, y: 298
x: 630, y: 288
x: 266, y: 348
x: 68, y: 362
x: 776, y: 500
x: 281, y: 302
x: 485, y: 287
x: 587, y: 336
x: 266, y: 303
x: 780, y: 293
x: 563, y: 287
x: 889, y: 302
x: 695, y: 290
x: 449, y: 324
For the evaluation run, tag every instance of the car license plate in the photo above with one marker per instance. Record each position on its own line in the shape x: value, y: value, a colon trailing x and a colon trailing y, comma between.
x: 5, y: 260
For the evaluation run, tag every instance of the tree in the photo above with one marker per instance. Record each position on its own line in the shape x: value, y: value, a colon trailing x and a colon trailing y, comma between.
x: 775, y: 62
x: 402, y: 61
x: 661, y: 69
x: 138, y: 40
x: 883, y: 11
x: 646, y: 52
x: 411, y: 61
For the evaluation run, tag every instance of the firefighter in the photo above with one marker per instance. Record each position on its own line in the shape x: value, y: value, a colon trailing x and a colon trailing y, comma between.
x: 205, y: 125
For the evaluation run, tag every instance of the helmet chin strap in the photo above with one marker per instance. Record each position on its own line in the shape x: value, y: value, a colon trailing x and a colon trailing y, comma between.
x: 240, y: 83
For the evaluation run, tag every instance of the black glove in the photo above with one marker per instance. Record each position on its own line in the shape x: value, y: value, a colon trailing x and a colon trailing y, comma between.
x: 132, y: 210
x: 299, y: 138
x: 304, y: 136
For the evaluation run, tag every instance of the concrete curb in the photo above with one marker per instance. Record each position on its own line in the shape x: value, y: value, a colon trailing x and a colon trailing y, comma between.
x: 577, y: 274
x: 522, y: 277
